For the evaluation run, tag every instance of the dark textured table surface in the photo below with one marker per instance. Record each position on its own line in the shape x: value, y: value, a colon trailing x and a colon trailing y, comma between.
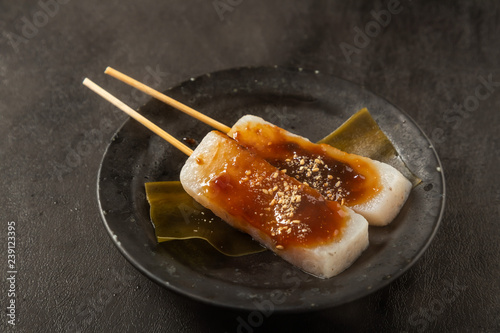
x: 439, y: 62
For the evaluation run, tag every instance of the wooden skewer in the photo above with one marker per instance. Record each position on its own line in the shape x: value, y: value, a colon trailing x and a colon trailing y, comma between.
x: 170, y: 101
x: 137, y: 116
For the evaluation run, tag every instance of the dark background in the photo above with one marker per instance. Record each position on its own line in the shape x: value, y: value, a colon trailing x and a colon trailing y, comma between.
x: 428, y: 60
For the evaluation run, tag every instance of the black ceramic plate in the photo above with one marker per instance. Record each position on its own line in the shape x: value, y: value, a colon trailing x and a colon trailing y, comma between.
x: 307, y: 103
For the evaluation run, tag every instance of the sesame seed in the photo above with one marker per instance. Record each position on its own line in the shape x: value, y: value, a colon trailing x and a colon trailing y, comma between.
x: 265, y: 191
x: 296, y: 221
x: 248, y: 172
x: 302, y: 162
x: 337, y: 184
x: 330, y: 177
x: 279, y: 247
x: 283, y: 171
x: 315, y: 169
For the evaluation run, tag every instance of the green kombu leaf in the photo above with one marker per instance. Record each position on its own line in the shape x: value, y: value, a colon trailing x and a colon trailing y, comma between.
x: 361, y: 135
x: 177, y: 216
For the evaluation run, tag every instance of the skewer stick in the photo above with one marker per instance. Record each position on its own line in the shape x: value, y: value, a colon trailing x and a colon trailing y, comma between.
x: 168, y: 100
x: 137, y: 116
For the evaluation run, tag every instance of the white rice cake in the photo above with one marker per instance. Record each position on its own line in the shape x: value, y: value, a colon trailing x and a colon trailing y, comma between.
x: 373, y: 189
x: 319, y: 236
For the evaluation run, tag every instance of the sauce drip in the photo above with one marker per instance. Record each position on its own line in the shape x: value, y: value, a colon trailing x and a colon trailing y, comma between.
x: 279, y: 206
x: 338, y: 176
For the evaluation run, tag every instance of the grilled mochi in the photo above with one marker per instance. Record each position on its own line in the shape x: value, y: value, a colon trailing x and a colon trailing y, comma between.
x: 371, y: 188
x: 321, y: 237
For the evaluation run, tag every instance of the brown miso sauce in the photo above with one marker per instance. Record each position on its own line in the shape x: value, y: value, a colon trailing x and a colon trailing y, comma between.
x: 338, y: 176
x: 287, y: 211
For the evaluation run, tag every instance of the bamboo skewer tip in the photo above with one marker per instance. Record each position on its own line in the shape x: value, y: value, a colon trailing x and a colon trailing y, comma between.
x: 137, y: 116
x: 167, y: 100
